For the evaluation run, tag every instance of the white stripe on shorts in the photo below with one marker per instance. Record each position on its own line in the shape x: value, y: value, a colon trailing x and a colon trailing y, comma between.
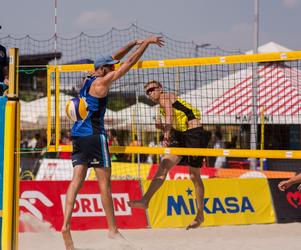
x: 104, y: 151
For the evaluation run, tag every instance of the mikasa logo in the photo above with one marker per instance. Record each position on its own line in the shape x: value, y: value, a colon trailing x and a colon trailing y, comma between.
x: 88, y: 205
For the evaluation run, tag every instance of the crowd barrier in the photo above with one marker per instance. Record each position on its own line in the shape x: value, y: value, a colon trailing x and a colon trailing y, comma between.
x: 227, y: 202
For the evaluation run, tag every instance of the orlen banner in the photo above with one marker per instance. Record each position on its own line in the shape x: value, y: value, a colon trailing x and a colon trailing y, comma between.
x: 227, y: 202
x: 42, y: 203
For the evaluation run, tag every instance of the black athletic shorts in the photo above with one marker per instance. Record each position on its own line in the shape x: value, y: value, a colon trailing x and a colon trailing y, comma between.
x: 192, y: 138
x: 92, y: 151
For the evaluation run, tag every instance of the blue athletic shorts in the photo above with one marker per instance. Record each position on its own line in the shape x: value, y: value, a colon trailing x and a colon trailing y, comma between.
x: 91, y: 151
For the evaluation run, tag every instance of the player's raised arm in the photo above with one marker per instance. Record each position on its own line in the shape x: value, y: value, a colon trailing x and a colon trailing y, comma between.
x: 119, y: 54
x: 283, y: 185
x: 105, y: 71
x: 158, y: 123
x: 136, y: 55
x: 166, y: 104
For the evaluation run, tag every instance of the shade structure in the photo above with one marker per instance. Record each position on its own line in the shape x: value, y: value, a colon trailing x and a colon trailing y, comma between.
x: 34, y: 114
x: 140, y: 117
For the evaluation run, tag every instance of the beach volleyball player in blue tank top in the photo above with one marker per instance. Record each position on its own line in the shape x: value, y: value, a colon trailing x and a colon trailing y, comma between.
x: 90, y: 147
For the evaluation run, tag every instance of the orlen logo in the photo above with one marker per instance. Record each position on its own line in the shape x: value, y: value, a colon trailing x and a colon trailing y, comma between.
x: 230, y: 205
x: 88, y: 205
x: 294, y: 198
x: 29, y: 198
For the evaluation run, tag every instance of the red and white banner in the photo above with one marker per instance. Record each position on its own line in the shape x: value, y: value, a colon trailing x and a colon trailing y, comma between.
x: 42, y: 205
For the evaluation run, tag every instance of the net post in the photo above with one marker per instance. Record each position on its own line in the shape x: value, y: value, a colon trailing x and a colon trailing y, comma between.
x: 11, y: 163
x: 57, y: 108
x: 13, y: 73
x: 262, y: 137
x: 49, y: 72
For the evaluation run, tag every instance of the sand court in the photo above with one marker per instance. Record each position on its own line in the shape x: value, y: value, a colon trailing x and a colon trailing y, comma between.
x: 246, y: 237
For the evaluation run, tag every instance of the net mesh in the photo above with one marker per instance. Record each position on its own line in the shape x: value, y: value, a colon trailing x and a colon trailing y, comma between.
x: 224, y: 95
x: 85, y: 48
x: 223, y: 92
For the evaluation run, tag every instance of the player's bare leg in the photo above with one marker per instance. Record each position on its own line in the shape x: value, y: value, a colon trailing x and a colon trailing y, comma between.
x: 166, y: 164
x: 104, y: 181
x: 199, y: 195
x: 67, y: 239
x: 79, y: 174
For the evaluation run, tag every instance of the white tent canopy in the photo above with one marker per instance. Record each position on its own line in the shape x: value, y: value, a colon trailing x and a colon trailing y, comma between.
x: 270, y: 48
x: 139, y: 116
x: 36, y: 111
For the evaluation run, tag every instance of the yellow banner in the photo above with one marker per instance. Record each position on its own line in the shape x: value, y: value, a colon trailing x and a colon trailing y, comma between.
x: 227, y: 202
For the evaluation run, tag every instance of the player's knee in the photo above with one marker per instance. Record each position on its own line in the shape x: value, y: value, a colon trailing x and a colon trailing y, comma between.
x: 76, y: 183
x: 105, y: 185
x: 192, y: 177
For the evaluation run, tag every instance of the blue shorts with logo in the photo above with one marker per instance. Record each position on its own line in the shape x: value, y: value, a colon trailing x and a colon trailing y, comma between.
x: 91, y: 151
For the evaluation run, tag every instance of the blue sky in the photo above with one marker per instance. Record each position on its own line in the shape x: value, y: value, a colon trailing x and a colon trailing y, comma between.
x: 224, y: 23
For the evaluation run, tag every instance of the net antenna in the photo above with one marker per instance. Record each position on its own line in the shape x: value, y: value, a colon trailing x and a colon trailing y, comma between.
x: 137, y: 130
x: 55, y: 31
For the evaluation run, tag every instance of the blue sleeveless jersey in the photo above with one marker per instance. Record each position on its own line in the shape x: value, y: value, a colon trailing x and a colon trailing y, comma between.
x: 94, y: 123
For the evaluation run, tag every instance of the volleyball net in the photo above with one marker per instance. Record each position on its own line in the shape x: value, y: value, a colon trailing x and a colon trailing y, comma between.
x: 84, y: 48
x: 226, y: 90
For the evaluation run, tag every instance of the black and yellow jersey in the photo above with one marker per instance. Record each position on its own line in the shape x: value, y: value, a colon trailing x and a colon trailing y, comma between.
x: 182, y: 113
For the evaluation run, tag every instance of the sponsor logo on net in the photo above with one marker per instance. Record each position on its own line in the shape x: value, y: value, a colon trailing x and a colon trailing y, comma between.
x: 90, y: 205
x: 178, y: 205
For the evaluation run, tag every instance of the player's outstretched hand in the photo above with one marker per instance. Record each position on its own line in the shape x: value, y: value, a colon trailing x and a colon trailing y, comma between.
x: 284, y: 185
x: 156, y: 40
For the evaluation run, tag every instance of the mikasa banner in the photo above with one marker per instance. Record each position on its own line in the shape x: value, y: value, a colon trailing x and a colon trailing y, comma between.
x: 227, y: 202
